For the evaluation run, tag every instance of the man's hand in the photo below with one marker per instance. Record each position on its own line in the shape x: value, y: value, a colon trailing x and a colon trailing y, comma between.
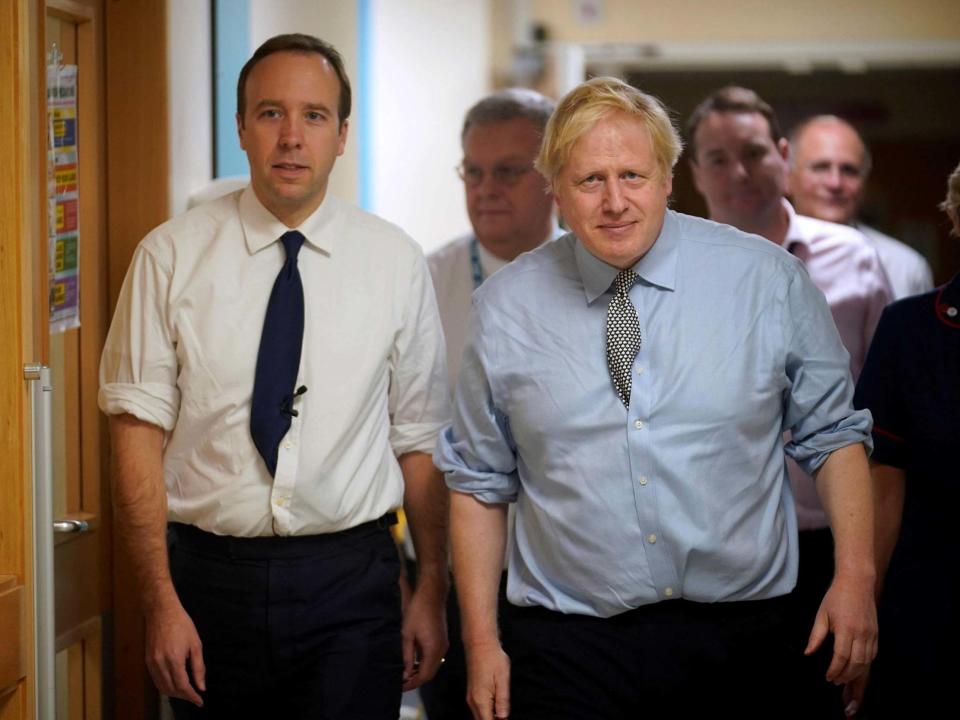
x: 488, y: 681
x: 848, y: 609
x: 849, y: 612
x: 424, y: 637
x: 172, y: 646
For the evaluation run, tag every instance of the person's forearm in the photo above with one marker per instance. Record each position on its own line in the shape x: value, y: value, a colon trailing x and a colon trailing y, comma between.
x: 478, y: 535
x: 140, y: 506
x: 426, y: 503
x: 889, y: 486
x: 843, y: 484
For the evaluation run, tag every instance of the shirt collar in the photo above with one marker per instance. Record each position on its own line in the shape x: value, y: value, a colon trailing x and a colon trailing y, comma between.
x: 795, y: 234
x: 489, y: 262
x: 261, y: 228
x: 658, y: 267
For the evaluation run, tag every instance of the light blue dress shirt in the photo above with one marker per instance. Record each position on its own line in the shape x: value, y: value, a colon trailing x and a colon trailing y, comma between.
x: 684, y: 494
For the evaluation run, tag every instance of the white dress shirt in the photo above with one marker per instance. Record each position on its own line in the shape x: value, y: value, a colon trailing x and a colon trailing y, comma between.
x: 182, y: 350
x: 452, y: 274
x: 908, y: 270
x: 453, y: 279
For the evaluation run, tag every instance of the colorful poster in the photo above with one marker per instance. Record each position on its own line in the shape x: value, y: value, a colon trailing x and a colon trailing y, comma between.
x: 63, y: 197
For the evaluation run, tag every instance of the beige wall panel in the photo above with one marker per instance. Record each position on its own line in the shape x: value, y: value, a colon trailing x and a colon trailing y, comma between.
x: 752, y: 20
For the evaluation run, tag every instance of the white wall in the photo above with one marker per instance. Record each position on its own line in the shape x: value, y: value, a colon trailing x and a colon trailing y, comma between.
x: 191, y: 102
x: 431, y: 61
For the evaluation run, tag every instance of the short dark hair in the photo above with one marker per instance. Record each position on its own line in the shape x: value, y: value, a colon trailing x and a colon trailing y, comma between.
x: 730, y: 99
x: 297, y: 43
x: 510, y: 104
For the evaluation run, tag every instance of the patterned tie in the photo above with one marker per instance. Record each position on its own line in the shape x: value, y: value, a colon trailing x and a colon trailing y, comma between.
x: 623, y: 335
x: 279, y: 358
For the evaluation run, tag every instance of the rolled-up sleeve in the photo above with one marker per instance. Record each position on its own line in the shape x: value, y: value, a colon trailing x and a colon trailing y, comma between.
x: 419, y: 390
x: 819, y: 401
x: 138, y: 367
x: 476, y: 452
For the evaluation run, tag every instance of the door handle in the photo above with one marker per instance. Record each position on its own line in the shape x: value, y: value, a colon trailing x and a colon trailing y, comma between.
x: 41, y: 390
x: 69, y: 525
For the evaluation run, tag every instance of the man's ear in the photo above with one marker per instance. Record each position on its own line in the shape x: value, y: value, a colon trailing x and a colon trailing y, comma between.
x: 240, y: 130
x: 783, y: 147
x: 343, y: 132
x: 695, y: 173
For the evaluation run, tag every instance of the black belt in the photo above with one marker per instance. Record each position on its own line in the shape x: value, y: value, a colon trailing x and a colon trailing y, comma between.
x: 272, y: 546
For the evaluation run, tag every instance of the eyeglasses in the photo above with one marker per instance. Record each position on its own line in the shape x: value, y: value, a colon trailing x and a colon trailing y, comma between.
x: 504, y: 175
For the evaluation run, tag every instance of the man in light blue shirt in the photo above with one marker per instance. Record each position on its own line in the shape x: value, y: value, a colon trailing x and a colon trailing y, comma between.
x: 628, y: 386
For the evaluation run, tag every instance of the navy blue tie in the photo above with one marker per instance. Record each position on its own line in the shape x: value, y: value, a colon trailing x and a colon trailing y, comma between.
x: 279, y: 358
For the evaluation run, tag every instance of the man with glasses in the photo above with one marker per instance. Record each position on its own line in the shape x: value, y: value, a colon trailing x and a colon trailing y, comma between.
x: 509, y: 208
x: 510, y: 213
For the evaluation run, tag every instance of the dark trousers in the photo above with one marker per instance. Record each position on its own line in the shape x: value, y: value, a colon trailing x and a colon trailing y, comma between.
x: 294, y: 627
x: 813, y: 580
x: 675, y: 659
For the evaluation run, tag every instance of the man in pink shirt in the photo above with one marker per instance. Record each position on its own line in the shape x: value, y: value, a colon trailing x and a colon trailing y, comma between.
x: 739, y: 161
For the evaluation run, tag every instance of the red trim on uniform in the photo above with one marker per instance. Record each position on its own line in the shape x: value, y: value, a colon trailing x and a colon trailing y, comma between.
x: 940, y: 308
x: 887, y: 434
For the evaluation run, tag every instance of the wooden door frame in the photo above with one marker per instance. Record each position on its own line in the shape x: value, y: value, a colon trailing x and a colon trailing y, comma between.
x: 138, y: 199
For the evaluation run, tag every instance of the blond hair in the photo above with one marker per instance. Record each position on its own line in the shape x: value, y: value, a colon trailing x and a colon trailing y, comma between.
x: 951, y: 203
x: 593, y: 100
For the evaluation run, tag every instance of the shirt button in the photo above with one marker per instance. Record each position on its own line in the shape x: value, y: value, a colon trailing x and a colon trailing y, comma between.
x: 639, y: 371
x: 668, y: 592
x: 643, y: 480
x: 951, y: 312
x: 287, y: 445
x: 652, y: 538
x: 638, y: 424
x: 281, y: 502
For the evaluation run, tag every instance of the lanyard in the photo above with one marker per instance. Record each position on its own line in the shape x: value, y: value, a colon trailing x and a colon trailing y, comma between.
x: 475, y: 263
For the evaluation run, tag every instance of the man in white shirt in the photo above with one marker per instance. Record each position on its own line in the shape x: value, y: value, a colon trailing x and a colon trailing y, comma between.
x: 828, y: 173
x: 278, y: 594
x: 509, y: 208
x: 510, y: 213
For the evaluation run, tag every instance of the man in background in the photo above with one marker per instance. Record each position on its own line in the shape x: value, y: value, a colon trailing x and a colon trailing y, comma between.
x: 828, y: 173
x: 509, y: 207
x: 739, y: 161
x: 510, y: 213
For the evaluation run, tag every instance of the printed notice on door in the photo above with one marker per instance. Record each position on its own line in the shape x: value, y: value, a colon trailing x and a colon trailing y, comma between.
x: 63, y: 197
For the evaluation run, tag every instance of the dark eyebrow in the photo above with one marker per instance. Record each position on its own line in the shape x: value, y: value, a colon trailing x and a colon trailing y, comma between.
x: 267, y: 102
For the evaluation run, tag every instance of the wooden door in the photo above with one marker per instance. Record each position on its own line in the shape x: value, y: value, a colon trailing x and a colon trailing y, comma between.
x: 98, y: 633
x: 73, y: 34
x: 31, y: 28
x: 21, y: 146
